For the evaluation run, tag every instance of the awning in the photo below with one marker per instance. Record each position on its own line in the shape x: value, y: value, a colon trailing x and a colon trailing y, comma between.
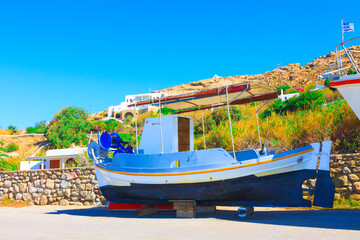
x: 239, y: 93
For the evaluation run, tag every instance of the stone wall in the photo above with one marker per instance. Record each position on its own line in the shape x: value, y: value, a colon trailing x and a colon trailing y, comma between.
x: 78, y: 186
x: 71, y: 186
x: 345, y: 172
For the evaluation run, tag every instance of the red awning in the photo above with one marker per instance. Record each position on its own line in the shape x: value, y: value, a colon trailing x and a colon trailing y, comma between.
x: 239, y: 93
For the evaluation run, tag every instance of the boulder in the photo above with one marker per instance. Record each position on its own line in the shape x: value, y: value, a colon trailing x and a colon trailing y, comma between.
x: 64, y: 202
x: 356, y: 187
x: 43, y: 200
x: 7, y: 183
x: 353, y: 177
x: 26, y: 197
x: 64, y: 184
x: 18, y: 196
x: 72, y: 176
x: 50, y: 184
x: 23, y: 187
x: 346, y: 170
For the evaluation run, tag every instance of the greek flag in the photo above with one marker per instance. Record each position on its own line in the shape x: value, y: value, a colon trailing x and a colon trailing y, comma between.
x: 348, y: 27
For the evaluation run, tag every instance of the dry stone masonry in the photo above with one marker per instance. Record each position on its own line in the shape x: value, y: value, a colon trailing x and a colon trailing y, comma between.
x: 78, y: 186
x: 71, y: 186
x: 345, y: 172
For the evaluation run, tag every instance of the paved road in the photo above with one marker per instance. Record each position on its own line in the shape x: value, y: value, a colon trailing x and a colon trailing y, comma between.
x: 98, y: 223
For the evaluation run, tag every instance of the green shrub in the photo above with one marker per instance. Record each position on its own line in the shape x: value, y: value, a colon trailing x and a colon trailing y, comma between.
x: 283, y: 87
x: 112, y: 125
x: 6, y: 166
x: 351, y: 72
x: 11, y: 147
x: 167, y: 111
x: 69, y: 126
x: 30, y: 130
x: 306, y: 100
x: 12, y: 129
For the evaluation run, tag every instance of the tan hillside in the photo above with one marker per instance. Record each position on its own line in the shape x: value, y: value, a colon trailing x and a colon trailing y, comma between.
x: 292, y: 74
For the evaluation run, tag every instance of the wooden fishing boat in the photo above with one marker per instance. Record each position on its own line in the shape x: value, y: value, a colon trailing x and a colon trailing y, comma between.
x: 348, y: 85
x: 166, y: 167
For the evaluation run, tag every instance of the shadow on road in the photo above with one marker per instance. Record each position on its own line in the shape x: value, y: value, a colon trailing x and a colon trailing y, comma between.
x: 334, y: 219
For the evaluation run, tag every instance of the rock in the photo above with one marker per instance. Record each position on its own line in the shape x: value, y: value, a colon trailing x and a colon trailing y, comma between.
x: 340, y: 190
x: 37, y: 184
x: 92, y: 177
x: 64, y: 202
x: 26, y: 197
x: 72, y: 176
x: 50, y: 184
x: 90, y: 197
x: 87, y: 204
x: 7, y: 183
x: 346, y: 170
x: 355, y: 196
x: 1, y: 194
x: 64, y: 184
x: 75, y: 194
x: 40, y: 190
x: 16, y: 188
x: 82, y: 177
x: 88, y: 186
x: 79, y: 204
x: 312, y: 183
x: 32, y: 190
x: 356, y: 170
x: 64, y: 176
x: 356, y: 187
x: 42, y: 181
x: 11, y: 196
x: 78, y: 181
x: 53, y: 177
x: 11, y: 189
x: 353, y: 177
x: 47, y: 192
x: 342, y: 181
x: 31, y: 204
x: 67, y: 193
x: 83, y: 193
x: 18, y: 196
x: 43, y: 200
x: 75, y: 199
x: 35, y: 195
x: 23, y: 187
x: 80, y: 187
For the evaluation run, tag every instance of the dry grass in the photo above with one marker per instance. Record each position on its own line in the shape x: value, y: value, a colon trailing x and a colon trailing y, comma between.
x: 13, y: 203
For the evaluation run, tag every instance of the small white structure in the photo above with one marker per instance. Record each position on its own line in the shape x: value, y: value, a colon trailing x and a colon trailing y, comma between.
x: 56, y: 158
x: 285, y: 97
x: 177, y: 131
x: 122, y: 110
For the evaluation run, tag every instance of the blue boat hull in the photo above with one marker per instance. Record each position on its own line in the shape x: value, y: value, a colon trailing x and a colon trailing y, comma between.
x: 278, y: 190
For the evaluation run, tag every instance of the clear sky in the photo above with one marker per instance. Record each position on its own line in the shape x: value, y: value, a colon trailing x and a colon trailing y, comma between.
x: 55, y: 54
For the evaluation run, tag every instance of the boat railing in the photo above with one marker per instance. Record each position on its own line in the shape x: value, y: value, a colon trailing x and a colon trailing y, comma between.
x: 348, y: 55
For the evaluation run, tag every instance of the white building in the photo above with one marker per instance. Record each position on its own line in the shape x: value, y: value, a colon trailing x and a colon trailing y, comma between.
x: 285, y: 97
x: 56, y: 158
x: 122, y: 110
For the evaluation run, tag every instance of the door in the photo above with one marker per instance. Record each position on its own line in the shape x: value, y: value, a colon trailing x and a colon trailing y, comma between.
x: 183, y: 134
x: 54, y: 163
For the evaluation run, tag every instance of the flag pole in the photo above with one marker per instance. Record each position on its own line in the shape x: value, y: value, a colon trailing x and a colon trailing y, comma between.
x: 342, y: 31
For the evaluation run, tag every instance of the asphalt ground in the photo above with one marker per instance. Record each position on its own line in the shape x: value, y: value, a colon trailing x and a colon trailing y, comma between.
x: 55, y: 222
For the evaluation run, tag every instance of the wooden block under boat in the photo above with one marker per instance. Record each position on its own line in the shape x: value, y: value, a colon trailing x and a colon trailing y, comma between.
x: 146, y: 210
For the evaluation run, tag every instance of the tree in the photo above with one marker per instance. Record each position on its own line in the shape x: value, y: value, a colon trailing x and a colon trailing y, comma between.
x: 12, y: 129
x: 69, y: 126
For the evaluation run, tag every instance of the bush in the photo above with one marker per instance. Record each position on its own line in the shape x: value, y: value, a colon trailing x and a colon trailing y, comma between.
x: 39, y: 128
x: 307, y: 100
x: 12, y: 129
x: 112, y: 125
x: 12, y: 147
x: 6, y: 166
x: 69, y: 126
x: 283, y: 87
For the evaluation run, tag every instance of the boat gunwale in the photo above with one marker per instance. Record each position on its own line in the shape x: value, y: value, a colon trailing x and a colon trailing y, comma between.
x: 208, y: 170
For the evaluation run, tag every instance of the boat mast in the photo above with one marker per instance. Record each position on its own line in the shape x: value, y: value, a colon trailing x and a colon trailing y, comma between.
x: 203, y: 127
x: 136, y: 134
x: 161, y: 133
x: 257, y: 123
x: 231, y: 133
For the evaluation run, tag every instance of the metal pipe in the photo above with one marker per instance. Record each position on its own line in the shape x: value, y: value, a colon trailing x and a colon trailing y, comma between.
x: 203, y: 127
x: 136, y: 134
x: 257, y: 122
x: 228, y: 108
x: 161, y: 133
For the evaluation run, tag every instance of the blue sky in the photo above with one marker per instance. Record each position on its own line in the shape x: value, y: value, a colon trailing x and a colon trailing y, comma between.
x: 55, y: 54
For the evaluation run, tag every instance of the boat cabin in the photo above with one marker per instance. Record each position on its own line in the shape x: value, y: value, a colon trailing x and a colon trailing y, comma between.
x: 177, y: 135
